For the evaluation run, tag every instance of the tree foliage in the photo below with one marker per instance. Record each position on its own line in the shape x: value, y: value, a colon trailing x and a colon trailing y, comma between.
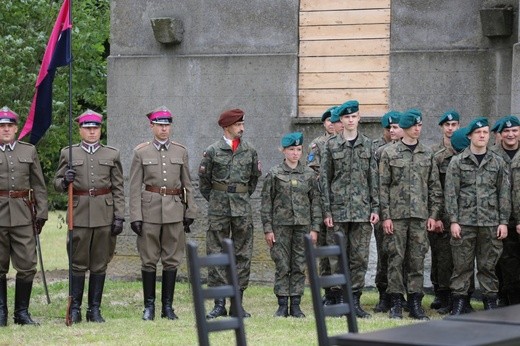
x: 25, y: 27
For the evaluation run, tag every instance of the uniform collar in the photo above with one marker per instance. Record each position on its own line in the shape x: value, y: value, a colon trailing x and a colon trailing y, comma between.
x: 90, y: 148
x: 9, y: 146
x: 161, y: 145
x: 298, y: 168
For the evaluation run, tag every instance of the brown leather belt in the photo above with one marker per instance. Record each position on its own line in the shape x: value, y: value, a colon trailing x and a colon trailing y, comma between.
x: 92, y: 192
x: 233, y: 188
x: 164, y: 191
x: 14, y: 193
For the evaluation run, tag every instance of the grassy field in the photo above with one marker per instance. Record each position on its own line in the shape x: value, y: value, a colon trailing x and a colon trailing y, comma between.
x: 122, y: 308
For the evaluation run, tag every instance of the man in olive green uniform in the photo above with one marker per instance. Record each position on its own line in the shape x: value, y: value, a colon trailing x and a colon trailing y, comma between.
x: 21, y: 183
x: 99, y: 208
x: 442, y: 262
x: 410, y: 197
x: 349, y: 183
x: 508, y: 267
x: 478, y: 203
x: 228, y: 174
x: 314, y: 162
x: 161, y: 203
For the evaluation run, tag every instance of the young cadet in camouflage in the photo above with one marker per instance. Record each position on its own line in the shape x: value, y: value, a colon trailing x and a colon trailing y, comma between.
x: 391, y: 133
x: 410, y: 197
x: 442, y: 262
x: 290, y: 209
x: 21, y: 180
x: 98, y: 211
x: 228, y: 175
x: 508, y: 267
x: 478, y: 203
x: 162, y: 204
x: 349, y: 187
x: 314, y: 161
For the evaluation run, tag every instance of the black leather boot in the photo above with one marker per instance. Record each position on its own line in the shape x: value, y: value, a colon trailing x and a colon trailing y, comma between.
x: 328, y: 298
x: 360, y: 313
x: 233, y: 311
x: 338, y: 296
x: 446, y: 302
x: 490, y: 302
x: 383, y: 305
x: 396, y: 310
x: 3, y: 301
x: 459, y: 303
x: 96, y: 283
x: 295, y: 310
x: 78, y: 286
x: 149, y: 295
x: 218, y: 310
x: 415, y: 305
x: 22, y: 297
x: 167, y: 291
x: 283, y: 307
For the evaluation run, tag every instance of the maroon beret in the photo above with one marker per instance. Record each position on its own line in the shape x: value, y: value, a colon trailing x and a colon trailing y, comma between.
x: 230, y: 117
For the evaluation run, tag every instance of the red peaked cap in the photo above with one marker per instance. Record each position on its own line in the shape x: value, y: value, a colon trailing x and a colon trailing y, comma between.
x: 230, y: 117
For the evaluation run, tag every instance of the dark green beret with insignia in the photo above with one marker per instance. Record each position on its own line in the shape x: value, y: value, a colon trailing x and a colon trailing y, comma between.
x: 459, y: 139
x: 497, y: 124
x: 348, y: 107
x: 451, y: 115
x: 410, y: 118
x: 327, y: 113
x: 476, y: 124
x: 292, y: 139
x: 390, y: 118
x: 508, y: 122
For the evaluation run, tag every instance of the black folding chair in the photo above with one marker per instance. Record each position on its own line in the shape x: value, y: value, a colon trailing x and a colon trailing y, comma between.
x: 317, y: 282
x: 202, y: 293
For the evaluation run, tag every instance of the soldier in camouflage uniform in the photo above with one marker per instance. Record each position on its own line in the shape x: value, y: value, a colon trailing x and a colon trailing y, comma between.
x: 228, y: 175
x: 314, y: 161
x: 508, y: 267
x: 21, y: 181
x: 442, y: 263
x: 478, y: 201
x: 391, y: 133
x: 290, y: 209
x: 349, y: 186
x: 410, y: 197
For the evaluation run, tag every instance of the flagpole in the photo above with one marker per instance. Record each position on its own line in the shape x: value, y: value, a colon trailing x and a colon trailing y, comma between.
x: 70, y: 206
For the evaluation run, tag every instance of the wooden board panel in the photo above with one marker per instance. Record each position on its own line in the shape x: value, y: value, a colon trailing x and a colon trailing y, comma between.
x: 345, y: 17
x: 345, y: 47
x: 341, y: 32
x: 365, y: 110
x: 320, y: 5
x: 343, y: 80
x: 338, y: 96
x: 344, y: 64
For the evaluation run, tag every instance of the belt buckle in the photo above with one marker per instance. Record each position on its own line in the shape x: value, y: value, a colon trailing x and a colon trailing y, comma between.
x: 91, y: 192
x: 232, y: 188
x: 162, y: 191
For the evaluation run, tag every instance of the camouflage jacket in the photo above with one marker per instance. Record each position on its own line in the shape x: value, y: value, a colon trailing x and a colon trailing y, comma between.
x: 290, y: 197
x: 499, y: 150
x: 221, y: 165
x: 515, y: 187
x: 478, y: 195
x: 315, y: 148
x: 442, y: 159
x: 409, y: 185
x: 348, y: 180
x: 379, y: 145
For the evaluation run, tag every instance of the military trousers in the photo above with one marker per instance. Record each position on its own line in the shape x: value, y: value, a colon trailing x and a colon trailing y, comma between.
x: 90, y: 249
x: 442, y: 260
x: 407, y: 248
x: 381, y: 279
x: 357, y: 236
x: 288, y: 254
x: 509, y: 262
x: 240, y: 230
x: 478, y: 243
x: 19, y: 245
x: 164, y: 242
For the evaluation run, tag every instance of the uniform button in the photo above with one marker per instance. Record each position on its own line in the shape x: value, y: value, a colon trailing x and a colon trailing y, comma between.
x: 91, y: 173
x: 164, y: 172
x: 92, y: 181
x: 10, y: 163
x: 164, y: 163
x: 12, y: 178
x: 91, y: 159
x: 165, y: 179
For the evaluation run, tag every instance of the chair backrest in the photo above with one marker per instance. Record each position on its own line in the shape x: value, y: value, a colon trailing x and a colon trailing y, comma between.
x: 202, y: 293
x: 341, y: 278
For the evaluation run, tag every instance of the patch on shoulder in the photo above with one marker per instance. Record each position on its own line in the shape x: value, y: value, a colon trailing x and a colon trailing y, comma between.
x: 202, y: 169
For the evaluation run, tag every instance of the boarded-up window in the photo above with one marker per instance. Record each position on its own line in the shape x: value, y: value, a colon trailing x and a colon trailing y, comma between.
x: 344, y: 55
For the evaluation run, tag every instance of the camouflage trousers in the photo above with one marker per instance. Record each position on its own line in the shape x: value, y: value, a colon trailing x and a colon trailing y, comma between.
x: 323, y: 263
x: 240, y: 230
x: 407, y: 248
x: 480, y: 243
x: 508, y: 267
x: 442, y: 260
x: 357, y: 236
x: 381, y: 279
x: 288, y: 254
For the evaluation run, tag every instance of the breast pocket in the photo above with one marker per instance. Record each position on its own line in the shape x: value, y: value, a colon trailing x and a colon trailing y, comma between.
x: 282, y: 184
x: 397, y: 167
x: 151, y: 166
x: 175, y: 166
x: 106, y: 166
x: 468, y: 175
x: 24, y: 164
x: 364, y: 160
x: 221, y: 167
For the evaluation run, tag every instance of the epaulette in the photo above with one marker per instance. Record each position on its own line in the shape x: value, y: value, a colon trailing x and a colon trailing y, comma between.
x: 25, y: 143
x: 440, y: 151
x: 109, y: 147
x: 142, y: 145
x: 75, y: 145
x: 178, y: 144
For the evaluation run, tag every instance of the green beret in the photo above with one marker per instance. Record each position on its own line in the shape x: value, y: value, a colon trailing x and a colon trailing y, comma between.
x: 327, y: 113
x: 476, y: 124
x: 497, y: 124
x: 451, y: 115
x: 348, y: 107
x: 292, y: 139
x: 390, y: 118
x: 508, y: 122
x: 334, y: 116
x: 459, y: 139
x: 410, y: 118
